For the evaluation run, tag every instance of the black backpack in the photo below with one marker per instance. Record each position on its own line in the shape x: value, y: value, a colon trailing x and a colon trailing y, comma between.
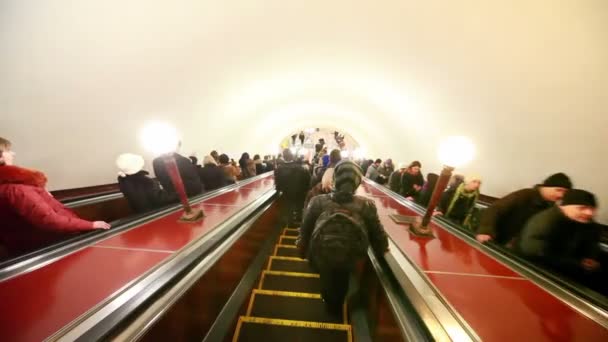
x: 340, y: 238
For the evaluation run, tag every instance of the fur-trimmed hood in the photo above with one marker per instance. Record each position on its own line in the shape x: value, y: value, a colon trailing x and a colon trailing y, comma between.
x: 10, y: 174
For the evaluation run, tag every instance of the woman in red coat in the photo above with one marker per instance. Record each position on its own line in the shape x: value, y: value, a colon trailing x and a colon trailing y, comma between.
x: 30, y: 217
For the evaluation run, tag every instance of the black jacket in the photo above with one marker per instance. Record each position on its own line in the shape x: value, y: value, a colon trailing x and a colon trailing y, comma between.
x: 144, y: 193
x: 259, y: 168
x: 394, y: 181
x: 361, y: 205
x: 505, y: 219
x: 212, y: 177
x: 407, y: 184
x: 188, y: 172
x: 292, y: 179
x: 553, y: 239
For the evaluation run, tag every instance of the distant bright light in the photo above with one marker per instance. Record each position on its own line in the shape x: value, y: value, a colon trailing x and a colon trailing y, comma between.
x: 309, y: 130
x: 293, y: 150
x: 456, y: 151
x: 159, y: 137
x: 344, y: 154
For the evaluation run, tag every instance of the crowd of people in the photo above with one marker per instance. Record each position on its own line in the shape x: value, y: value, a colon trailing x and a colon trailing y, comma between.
x: 551, y: 224
x: 32, y: 218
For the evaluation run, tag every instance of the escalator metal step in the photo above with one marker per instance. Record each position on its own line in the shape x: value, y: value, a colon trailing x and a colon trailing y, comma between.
x: 292, y: 306
x: 289, y: 264
x: 287, y: 240
x: 291, y: 231
x: 286, y: 250
x: 270, y: 330
x: 290, y: 281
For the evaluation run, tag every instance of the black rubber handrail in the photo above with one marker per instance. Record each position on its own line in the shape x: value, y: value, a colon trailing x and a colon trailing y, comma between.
x: 27, y: 262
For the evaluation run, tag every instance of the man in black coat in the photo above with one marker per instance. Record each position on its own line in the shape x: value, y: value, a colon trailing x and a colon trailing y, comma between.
x: 142, y: 192
x: 188, y: 172
x: 212, y: 176
x: 565, y: 237
x: 503, y: 221
x: 292, y: 179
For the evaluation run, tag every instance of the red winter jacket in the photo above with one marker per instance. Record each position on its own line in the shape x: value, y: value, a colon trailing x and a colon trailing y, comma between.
x: 30, y: 217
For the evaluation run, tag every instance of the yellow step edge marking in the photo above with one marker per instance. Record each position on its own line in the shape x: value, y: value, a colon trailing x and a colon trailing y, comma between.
x: 290, y: 237
x: 262, y: 281
x: 239, y: 325
x: 345, y: 313
x: 251, y: 300
x: 291, y: 229
x: 290, y: 274
x: 286, y: 246
x: 280, y: 257
x: 287, y: 294
x: 295, y: 324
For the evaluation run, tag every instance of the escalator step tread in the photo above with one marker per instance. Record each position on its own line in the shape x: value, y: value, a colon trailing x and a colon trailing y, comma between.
x: 291, y: 232
x: 287, y: 250
x: 288, y: 240
x: 270, y: 330
x: 289, y: 264
x: 291, y: 306
x: 289, y: 281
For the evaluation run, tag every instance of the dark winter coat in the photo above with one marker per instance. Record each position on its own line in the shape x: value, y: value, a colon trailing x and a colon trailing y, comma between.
x: 144, y: 193
x: 363, y: 206
x: 292, y: 179
x: 259, y: 168
x: 212, y: 177
x: 505, y: 219
x: 188, y: 172
x: 30, y: 218
x: 394, y: 181
x: 407, y: 184
x: 553, y: 239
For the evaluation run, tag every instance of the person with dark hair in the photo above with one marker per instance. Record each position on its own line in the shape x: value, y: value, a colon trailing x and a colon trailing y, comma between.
x: 394, y: 181
x: 231, y: 171
x: 336, y: 232
x: 412, y: 181
x: 212, y: 176
x: 327, y: 176
x: 565, y: 237
x: 427, y: 189
x: 142, y: 192
x: 31, y: 217
x: 243, y: 164
x: 385, y: 170
x: 503, y: 221
x: 215, y: 156
x: 457, y: 203
x: 270, y: 163
x: 372, y: 171
x: 194, y: 160
x: 292, y: 180
x: 365, y: 165
x: 259, y: 166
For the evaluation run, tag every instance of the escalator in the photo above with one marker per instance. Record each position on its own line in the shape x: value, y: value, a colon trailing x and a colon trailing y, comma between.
x: 247, y: 283
x: 287, y: 302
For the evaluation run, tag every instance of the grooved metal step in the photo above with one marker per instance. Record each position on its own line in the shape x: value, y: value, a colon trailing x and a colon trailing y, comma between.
x: 254, y: 329
x: 292, y: 306
x: 287, y: 250
x: 291, y: 231
x: 288, y: 240
x: 290, y: 281
x: 289, y: 264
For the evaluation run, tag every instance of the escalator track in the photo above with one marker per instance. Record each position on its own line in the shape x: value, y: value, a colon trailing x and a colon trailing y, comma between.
x: 287, y: 302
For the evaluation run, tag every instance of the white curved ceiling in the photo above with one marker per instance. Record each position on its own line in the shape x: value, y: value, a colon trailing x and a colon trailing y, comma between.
x: 527, y: 80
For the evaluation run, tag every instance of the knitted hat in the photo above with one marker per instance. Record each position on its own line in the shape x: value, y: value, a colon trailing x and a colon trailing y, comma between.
x: 403, y: 165
x: 579, y: 197
x: 558, y: 180
x: 129, y: 164
x: 473, y: 177
x: 347, y: 172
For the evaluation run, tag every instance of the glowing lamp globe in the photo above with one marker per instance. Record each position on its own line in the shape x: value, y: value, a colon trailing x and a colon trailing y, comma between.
x: 456, y: 151
x: 159, y: 138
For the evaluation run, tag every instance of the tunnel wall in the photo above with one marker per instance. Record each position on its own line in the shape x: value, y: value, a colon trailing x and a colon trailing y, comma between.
x: 526, y: 80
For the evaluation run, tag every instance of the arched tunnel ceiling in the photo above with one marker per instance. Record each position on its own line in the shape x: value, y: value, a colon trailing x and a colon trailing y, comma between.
x: 527, y: 81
